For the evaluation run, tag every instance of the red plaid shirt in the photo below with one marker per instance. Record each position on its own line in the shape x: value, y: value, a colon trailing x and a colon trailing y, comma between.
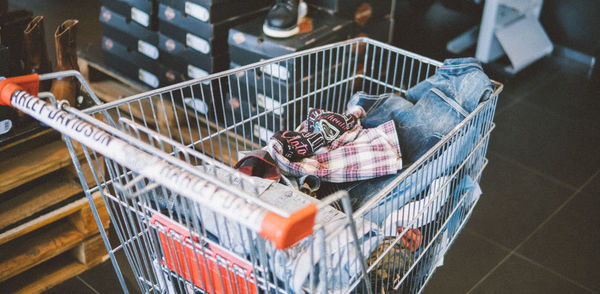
x: 358, y: 154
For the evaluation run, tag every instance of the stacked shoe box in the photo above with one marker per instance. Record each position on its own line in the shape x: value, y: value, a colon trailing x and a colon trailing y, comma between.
x: 371, y: 17
x: 130, y: 41
x: 192, y: 39
x: 276, y: 97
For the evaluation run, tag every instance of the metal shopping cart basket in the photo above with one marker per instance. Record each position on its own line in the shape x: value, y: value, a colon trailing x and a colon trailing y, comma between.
x: 187, y: 222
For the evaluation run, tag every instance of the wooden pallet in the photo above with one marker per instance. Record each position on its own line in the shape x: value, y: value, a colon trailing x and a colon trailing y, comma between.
x: 36, y: 196
x: 48, y: 235
x: 83, y: 256
x: 32, y: 163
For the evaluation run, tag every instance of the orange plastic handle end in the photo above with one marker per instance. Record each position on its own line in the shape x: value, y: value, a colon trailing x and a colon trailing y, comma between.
x: 285, y: 232
x: 29, y: 83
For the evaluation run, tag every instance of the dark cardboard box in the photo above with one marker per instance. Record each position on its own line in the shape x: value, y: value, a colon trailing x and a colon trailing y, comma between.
x: 131, y: 35
x: 291, y: 100
x: 243, y: 119
x: 215, y: 11
x: 143, y: 12
x: 122, y: 23
x: 134, y: 65
x: 202, y: 99
x: 206, y: 38
x: 248, y: 44
x: 377, y: 31
x: 176, y: 55
x: 359, y: 11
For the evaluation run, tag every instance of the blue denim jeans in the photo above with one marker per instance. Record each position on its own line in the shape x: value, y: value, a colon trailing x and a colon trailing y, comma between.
x: 441, y: 102
x: 413, y: 185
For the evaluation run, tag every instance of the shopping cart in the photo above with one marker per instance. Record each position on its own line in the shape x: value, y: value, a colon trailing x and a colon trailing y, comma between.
x: 187, y: 222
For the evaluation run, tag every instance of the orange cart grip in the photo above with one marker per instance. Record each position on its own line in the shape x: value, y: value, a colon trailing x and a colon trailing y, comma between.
x: 28, y: 83
x: 285, y: 232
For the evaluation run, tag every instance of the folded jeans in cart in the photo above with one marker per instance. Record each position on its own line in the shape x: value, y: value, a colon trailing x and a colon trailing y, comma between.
x: 441, y: 102
x: 414, y: 184
x: 471, y: 191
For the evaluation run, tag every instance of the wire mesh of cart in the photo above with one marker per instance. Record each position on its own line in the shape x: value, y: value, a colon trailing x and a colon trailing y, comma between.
x: 186, y: 221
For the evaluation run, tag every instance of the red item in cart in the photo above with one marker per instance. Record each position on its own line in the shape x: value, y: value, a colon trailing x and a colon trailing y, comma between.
x: 208, y: 267
x: 412, y: 239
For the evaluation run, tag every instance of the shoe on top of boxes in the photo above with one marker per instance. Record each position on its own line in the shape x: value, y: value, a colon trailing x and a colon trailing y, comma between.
x: 270, y: 92
x: 248, y: 43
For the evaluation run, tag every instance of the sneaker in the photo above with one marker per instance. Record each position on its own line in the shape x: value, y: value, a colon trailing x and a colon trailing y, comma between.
x: 283, y: 18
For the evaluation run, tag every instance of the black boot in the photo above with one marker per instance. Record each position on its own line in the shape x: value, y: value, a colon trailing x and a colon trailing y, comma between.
x: 12, y: 25
x: 282, y: 20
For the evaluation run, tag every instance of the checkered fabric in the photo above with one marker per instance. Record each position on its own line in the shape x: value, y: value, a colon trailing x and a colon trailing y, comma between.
x: 358, y: 154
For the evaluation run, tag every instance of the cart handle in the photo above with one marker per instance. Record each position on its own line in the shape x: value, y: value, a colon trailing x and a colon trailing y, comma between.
x: 282, y: 231
x: 28, y: 83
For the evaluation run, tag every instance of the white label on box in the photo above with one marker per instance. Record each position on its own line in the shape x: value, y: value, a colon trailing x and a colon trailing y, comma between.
x: 238, y: 38
x: 140, y: 17
x: 148, y: 78
x: 147, y: 49
x: 197, y: 11
x: 276, y: 71
x: 5, y: 126
x: 197, y: 104
x: 197, y: 43
x: 196, y: 73
x: 262, y: 133
x: 269, y: 103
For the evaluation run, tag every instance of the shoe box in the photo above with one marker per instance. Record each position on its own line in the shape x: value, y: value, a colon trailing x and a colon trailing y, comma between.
x: 361, y: 12
x: 245, y: 120
x: 195, y: 42
x: 188, y: 60
x: 130, y: 34
x: 204, y: 99
x: 137, y: 66
x: 248, y: 43
x: 215, y: 11
x: 289, y: 101
x: 377, y: 30
x: 142, y: 12
x: 12, y: 126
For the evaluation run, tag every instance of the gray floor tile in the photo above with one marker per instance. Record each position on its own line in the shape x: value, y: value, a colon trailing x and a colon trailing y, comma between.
x: 524, y: 83
x: 570, y: 96
x: 519, y: 276
x: 71, y: 286
x: 103, y: 278
x: 562, y: 148
x: 593, y: 187
x: 514, y: 202
x: 568, y: 243
x: 466, y: 262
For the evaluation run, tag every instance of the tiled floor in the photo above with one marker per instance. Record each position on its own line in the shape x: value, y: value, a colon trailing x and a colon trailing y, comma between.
x: 535, y: 229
